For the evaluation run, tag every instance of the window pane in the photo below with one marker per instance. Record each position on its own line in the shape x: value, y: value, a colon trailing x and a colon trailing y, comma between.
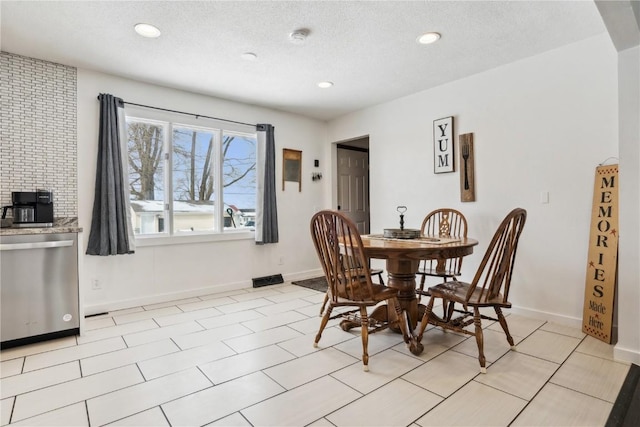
x: 239, y: 180
x: 146, y: 175
x: 193, y: 197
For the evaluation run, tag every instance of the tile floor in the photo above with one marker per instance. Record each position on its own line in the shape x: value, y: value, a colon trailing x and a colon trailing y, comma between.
x: 245, y: 358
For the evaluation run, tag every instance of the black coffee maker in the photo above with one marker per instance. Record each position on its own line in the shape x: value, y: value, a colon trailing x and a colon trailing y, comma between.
x: 31, y: 208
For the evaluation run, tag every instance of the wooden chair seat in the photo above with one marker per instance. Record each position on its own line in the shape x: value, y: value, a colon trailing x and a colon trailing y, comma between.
x: 456, y: 291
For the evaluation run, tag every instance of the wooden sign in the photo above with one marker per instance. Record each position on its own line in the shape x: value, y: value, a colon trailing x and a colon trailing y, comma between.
x: 443, y: 145
x: 292, y: 167
x: 602, y: 262
x: 467, y: 175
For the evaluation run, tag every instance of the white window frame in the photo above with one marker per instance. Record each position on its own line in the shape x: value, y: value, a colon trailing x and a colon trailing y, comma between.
x: 169, y: 121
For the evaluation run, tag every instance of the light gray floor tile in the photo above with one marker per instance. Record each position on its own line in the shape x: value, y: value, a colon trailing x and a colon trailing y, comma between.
x: 41, y: 347
x: 229, y: 319
x: 50, y: 398
x: 220, y: 401
x: 5, y: 410
x: 210, y: 336
x: 563, y: 330
x: 308, y: 368
x: 445, y: 374
x: 378, y: 342
x: 303, y: 345
x: 92, y: 323
x: 288, y: 296
x: 188, y: 316
x: 30, y: 381
x: 594, y: 347
x: 326, y: 393
x: 235, y: 420
x: 209, y: 303
x: 282, y: 307
x: 518, y: 325
x: 242, y: 364
x: 495, y: 345
x: 224, y: 294
x: 261, y: 339
x: 548, y: 346
x: 398, y: 403
x: 597, y: 377
x: 274, y: 321
x: 132, y: 400
x: 181, y: 360
x: 68, y: 416
x: 253, y: 294
x: 474, y: 404
x: 173, y: 331
x: 121, y: 319
x: 518, y: 374
x: 384, y: 368
x: 171, y: 303
x: 149, y: 418
x: 558, y: 406
x: 244, y: 305
x: 127, y: 356
x: 11, y: 367
x: 68, y: 354
x: 322, y: 422
x: 117, y: 331
x: 324, y: 383
x: 435, y: 342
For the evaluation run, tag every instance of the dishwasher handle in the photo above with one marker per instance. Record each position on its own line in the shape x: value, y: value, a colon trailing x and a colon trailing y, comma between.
x: 36, y: 245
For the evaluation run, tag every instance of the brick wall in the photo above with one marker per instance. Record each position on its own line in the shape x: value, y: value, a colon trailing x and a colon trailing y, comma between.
x: 38, y: 143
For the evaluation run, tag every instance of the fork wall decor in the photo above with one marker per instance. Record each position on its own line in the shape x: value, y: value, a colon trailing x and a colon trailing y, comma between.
x: 467, y: 169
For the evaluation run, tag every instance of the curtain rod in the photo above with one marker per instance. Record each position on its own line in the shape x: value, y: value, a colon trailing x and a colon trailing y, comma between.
x: 188, y: 114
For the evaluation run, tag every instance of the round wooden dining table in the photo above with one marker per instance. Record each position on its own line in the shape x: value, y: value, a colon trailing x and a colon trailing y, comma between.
x: 403, y: 258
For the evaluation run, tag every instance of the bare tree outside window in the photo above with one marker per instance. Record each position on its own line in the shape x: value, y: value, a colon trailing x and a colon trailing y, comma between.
x: 195, y: 154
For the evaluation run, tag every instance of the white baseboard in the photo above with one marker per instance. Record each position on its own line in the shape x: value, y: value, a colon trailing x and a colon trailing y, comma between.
x: 191, y: 293
x: 160, y: 298
x: 574, y: 322
x: 626, y: 354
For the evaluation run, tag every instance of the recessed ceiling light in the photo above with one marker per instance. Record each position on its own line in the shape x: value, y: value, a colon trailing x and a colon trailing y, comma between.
x: 147, y: 30
x: 325, y: 85
x: 249, y: 56
x: 428, y: 38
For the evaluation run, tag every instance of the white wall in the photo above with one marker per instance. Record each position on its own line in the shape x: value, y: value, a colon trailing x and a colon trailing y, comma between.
x: 628, y: 346
x: 539, y: 124
x: 160, y: 273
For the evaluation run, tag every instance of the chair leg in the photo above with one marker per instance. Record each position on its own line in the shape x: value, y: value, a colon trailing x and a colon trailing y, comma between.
x: 421, y: 289
x: 364, y: 319
x: 425, y: 319
x: 324, y: 303
x: 479, y: 339
x: 323, y: 323
x: 505, y: 328
x: 381, y: 279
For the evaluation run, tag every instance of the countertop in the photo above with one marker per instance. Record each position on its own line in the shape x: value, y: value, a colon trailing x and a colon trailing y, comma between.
x: 60, y: 225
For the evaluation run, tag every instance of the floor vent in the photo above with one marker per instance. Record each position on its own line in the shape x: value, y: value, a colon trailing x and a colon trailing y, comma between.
x: 267, y: 280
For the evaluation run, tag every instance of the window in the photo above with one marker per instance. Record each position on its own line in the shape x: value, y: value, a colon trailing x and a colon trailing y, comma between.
x: 187, y: 180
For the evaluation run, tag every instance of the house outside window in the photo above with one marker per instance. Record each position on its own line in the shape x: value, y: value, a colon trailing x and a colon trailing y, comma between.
x: 190, y: 180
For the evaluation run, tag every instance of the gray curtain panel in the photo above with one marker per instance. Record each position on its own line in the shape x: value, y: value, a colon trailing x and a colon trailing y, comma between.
x: 109, y: 233
x: 267, y: 227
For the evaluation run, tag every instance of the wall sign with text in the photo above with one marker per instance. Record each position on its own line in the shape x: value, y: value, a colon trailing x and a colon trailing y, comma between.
x: 443, y: 145
x: 602, y: 261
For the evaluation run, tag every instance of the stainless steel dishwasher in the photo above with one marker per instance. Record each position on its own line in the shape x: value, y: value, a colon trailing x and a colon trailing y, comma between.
x: 39, y: 287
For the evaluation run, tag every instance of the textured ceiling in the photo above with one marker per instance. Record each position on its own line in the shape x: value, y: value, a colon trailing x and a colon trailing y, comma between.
x: 366, y: 48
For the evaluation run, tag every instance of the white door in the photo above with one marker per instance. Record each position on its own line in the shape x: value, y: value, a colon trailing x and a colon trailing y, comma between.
x: 353, y: 186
